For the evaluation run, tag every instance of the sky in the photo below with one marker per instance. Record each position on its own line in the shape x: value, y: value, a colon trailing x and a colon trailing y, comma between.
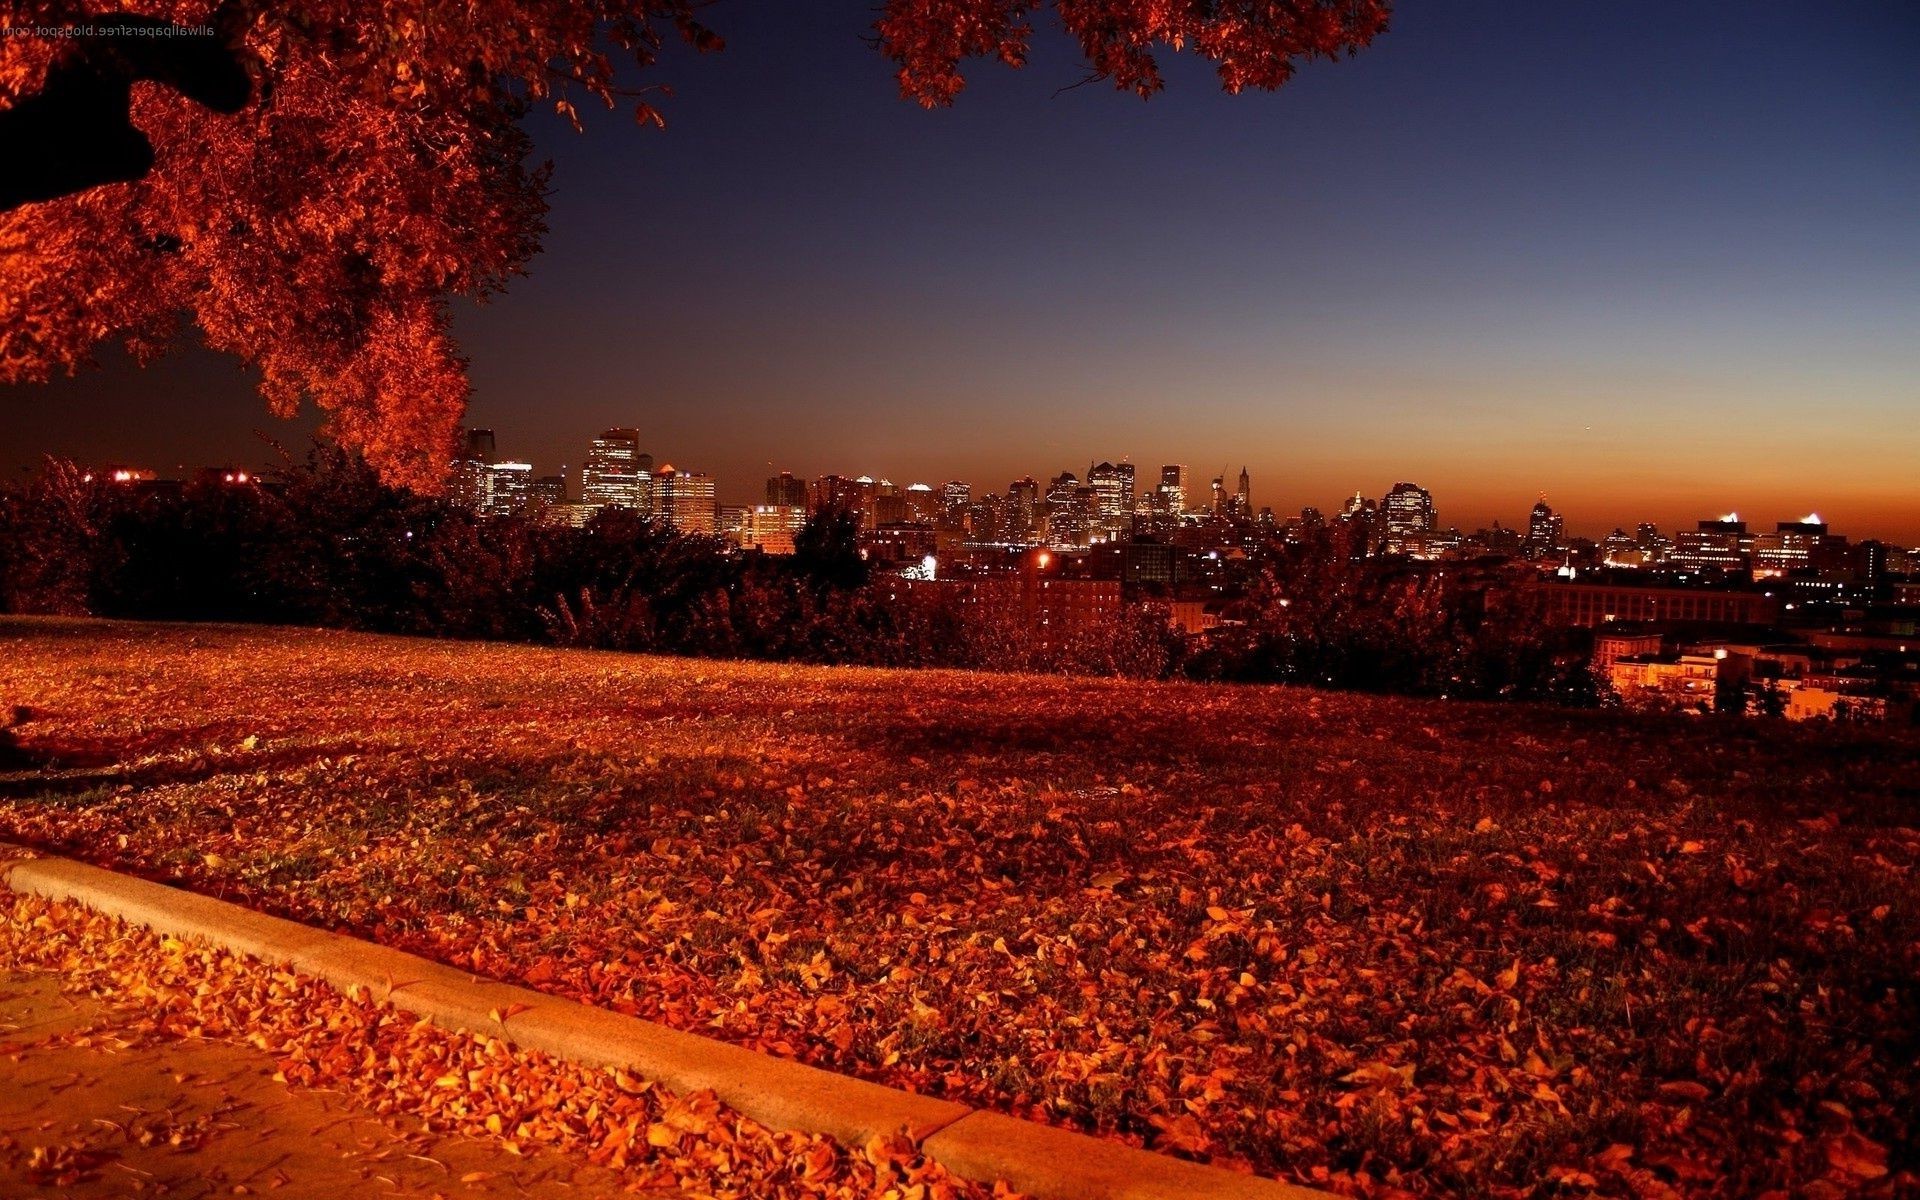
x: 1656, y: 261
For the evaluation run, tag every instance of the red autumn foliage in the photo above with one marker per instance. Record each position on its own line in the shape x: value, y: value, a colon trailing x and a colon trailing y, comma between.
x: 320, y: 232
x: 399, y: 1065
x: 1375, y: 944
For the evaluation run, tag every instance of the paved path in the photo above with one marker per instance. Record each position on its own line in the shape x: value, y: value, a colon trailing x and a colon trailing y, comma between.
x: 89, y: 1115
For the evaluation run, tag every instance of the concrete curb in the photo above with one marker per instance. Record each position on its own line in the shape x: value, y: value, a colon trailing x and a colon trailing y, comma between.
x: 1049, y: 1163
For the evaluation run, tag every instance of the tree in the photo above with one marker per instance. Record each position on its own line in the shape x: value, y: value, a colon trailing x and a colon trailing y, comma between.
x: 380, y: 168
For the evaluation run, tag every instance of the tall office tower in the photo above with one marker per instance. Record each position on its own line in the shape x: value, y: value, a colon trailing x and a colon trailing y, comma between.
x: 646, y: 487
x: 1066, y: 522
x: 1217, y: 504
x: 1407, y: 512
x: 955, y: 499
x: 1021, y: 519
x: 1114, y: 500
x: 1173, y: 489
x: 837, y: 491
x: 509, y: 488
x: 889, y: 503
x: 984, y: 520
x: 784, y: 491
x: 611, y: 475
x: 551, y: 489
x: 470, y: 478
x: 686, y: 500
x: 1243, y: 495
x: 1545, y: 532
x: 923, y: 504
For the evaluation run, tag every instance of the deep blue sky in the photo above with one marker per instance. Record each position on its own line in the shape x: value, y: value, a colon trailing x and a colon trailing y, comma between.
x: 1656, y: 260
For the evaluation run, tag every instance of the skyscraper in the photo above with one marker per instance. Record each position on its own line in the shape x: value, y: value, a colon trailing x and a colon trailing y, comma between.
x: 1068, y: 512
x: 1023, y: 510
x: 611, y: 475
x: 1407, y: 512
x: 923, y: 504
x: 470, y: 478
x: 1243, y: 496
x: 509, y: 488
x: 686, y: 500
x: 889, y: 503
x: 955, y: 499
x: 1173, y: 489
x: 1545, y: 531
x: 785, y: 491
x: 1113, y: 490
x: 856, y: 496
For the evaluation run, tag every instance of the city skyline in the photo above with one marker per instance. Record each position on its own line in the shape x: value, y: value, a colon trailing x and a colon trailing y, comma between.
x: 1504, y: 251
x: 747, y: 492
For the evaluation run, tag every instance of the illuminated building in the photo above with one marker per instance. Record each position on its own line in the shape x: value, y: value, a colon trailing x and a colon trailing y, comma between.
x: 1020, y: 519
x: 1039, y: 606
x: 1687, y: 683
x: 1653, y: 544
x: 549, y: 490
x: 612, y: 474
x: 509, y: 488
x: 469, y: 487
x: 1722, y: 545
x: 956, y: 496
x: 899, y: 543
x: 686, y: 500
x: 1624, y: 550
x: 1790, y: 547
x: 1114, y: 502
x: 769, y: 528
x: 1069, y: 512
x: 1546, y: 531
x: 1407, y: 514
x: 856, y: 496
x: 1243, y: 495
x: 785, y: 491
x: 924, y: 505
x: 1611, y: 643
x: 889, y: 503
x: 1172, y: 492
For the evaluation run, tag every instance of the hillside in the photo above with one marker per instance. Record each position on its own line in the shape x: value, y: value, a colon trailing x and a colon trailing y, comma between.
x: 1359, y: 941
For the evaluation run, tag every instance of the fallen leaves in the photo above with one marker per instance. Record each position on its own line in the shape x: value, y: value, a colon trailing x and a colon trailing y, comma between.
x: 394, y: 1063
x: 1660, y: 974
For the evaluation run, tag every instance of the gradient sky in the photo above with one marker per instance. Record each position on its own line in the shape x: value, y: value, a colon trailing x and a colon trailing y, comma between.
x: 1655, y: 260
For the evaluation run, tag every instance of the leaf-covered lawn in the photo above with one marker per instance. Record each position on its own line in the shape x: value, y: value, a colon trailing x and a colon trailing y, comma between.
x: 1363, y: 942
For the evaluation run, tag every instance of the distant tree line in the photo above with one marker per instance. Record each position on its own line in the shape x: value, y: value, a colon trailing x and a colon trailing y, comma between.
x: 325, y: 542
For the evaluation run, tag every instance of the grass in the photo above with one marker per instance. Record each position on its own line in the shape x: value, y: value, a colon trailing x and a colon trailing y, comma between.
x: 1374, y: 944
